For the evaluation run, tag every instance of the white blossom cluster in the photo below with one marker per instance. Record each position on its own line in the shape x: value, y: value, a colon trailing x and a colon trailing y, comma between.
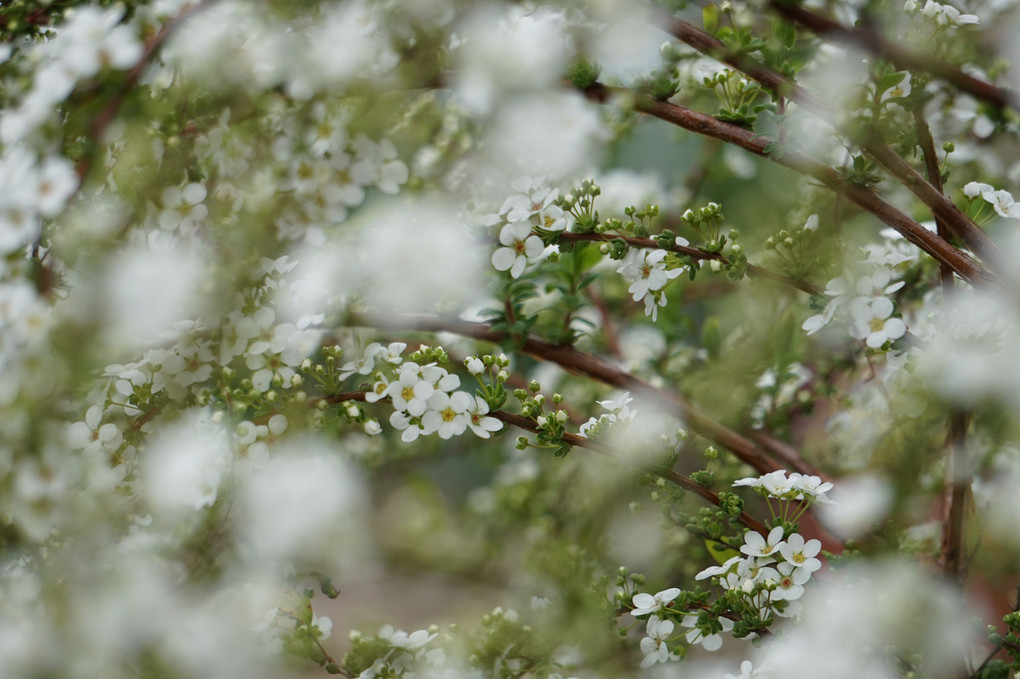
x: 769, y: 569
x: 865, y: 298
x: 532, y: 207
x: 941, y: 14
x: 618, y: 412
x: 425, y: 398
x: 779, y: 389
x: 647, y: 272
x: 407, y: 654
x: 1001, y: 201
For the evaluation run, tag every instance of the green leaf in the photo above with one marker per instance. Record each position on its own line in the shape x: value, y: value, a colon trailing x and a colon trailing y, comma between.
x: 720, y: 552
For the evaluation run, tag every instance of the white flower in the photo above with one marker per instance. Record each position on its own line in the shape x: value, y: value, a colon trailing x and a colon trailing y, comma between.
x: 872, y: 322
x: 474, y: 365
x: 412, y: 641
x: 447, y: 413
x: 876, y: 284
x: 774, y: 483
x: 647, y: 270
x: 975, y: 189
x: 790, y: 584
x: 809, y: 487
x: 801, y: 554
x: 649, y: 603
x: 654, y: 645
x: 538, y: 201
x: 183, y: 209
x: 90, y: 435
x: 323, y: 624
x: 372, y: 427
x: 757, y: 546
x: 479, y: 423
x: 1003, y: 202
x: 410, y: 392
x: 724, y: 569
x: 619, y: 407
x: 379, y: 390
x: 520, y: 247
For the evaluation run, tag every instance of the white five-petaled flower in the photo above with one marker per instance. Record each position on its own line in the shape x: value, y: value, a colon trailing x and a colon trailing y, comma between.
x: 790, y: 583
x: 538, y: 202
x: 478, y: 420
x: 411, y: 391
x: 447, y: 414
x: 652, y: 603
x: 876, y: 284
x: 872, y: 322
x: 800, y: 554
x: 647, y: 271
x: 520, y: 247
x: 1003, y: 202
x: 809, y: 487
x: 755, y: 545
x: 93, y: 436
x: 654, y: 645
x: 774, y: 484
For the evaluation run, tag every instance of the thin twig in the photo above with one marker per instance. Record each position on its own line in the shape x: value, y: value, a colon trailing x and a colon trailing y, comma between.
x: 759, y: 145
x: 899, y: 56
x: 673, y: 477
x: 928, y: 192
x: 958, y: 480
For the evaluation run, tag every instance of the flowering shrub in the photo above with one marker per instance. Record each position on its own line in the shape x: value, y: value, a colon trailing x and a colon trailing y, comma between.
x: 577, y: 339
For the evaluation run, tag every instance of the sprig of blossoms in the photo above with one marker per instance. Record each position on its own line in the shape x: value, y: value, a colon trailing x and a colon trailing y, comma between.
x: 796, y: 486
x: 1001, y: 201
x: 870, y: 308
x: 425, y: 396
x: 618, y: 412
x: 648, y: 275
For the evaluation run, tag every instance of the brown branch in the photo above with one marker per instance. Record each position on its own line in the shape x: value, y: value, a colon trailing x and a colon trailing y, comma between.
x: 899, y: 56
x: 673, y: 477
x: 958, y: 480
x: 584, y: 364
x: 928, y: 192
x: 957, y: 495
x: 693, y: 253
x: 863, y: 196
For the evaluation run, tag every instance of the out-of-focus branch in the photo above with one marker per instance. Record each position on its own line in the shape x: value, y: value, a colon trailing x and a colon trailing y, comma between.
x: 863, y: 196
x: 958, y: 479
x: 928, y: 192
x: 899, y: 56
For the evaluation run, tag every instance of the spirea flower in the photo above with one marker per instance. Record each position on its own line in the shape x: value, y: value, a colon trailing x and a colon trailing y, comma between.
x: 652, y: 603
x: 520, y: 247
